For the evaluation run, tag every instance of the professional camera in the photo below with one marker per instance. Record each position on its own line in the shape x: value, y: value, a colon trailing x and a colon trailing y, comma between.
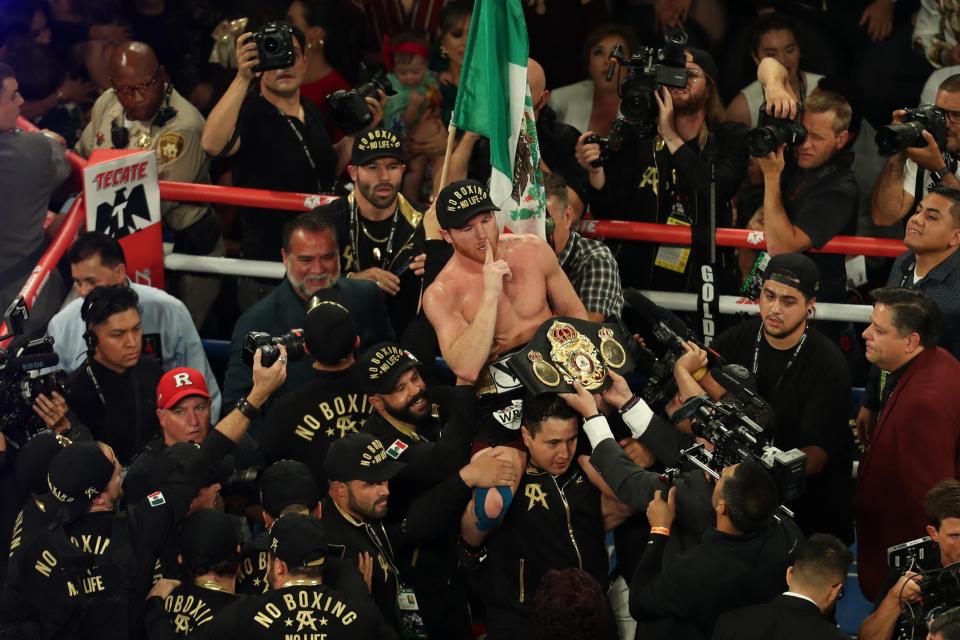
x: 611, y: 144
x: 735, y: 439
x: 646, y: 70
x: 21, y: 381
x: 939, y: 591
x: 269, y: 346
x: 907, y: 133
x: 274, y: 46
x: 772, y: 132
x: 349, y: 110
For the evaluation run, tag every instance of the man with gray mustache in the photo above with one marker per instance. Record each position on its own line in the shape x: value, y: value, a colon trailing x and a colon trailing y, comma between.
x: 312, y: 258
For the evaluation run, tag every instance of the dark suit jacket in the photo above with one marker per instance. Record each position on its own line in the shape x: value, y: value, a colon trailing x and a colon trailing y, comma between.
x: 282, y: 310
x: 785, y: 618
x: 913, y: 447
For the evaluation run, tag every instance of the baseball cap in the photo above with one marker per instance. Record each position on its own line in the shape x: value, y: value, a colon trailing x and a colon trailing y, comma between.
x: 209, y: 537
x: 179, y: 383
x: 359, y: 456
x: 460, y: 201
x: 706, y: 62
x: 78, y: 474
x: 285, y: 483
x: 298, y: 540
x: 328, y: 331
x: 381, y: 366
x: 794, y: 270
x: 33, y: 460
x: 376, y: 143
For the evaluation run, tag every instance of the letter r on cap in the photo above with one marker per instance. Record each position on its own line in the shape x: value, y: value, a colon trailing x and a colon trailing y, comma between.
x: 182, y: 379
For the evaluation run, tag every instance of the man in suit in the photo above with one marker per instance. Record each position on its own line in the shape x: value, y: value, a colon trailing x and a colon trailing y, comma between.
x: 917, y: 436
x: 312, y: 257
x: 815, y: 583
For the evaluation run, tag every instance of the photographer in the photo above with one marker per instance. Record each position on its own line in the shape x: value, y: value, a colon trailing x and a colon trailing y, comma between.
x: 901, y: 589
x: 277, y: 139
x: 741, y: 561
x: 810, y: 194
x: 909, y: 173
x: 663, y: 174
x: 303, y: 423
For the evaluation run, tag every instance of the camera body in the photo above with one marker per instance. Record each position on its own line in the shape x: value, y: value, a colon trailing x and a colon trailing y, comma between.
x: 20, y: 384
x: 349, y: 110
x: 274, y: 46
x: 772, y: 132
x: 737, y: 438
x: 612, y: 143
x: 269, y: 347
x: 646, y: 70
x: 899, y: 136
x: 939, y: 591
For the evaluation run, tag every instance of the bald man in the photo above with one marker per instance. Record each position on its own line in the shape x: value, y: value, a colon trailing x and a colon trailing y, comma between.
x: 142, y: 110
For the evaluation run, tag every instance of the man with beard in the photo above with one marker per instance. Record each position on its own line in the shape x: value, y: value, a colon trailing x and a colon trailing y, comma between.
x: 380, y: 232
x: 359, y: 524
x: 804, y: 377
x: 664, y: 175
x: 312, y: 259
x: 432, y: 435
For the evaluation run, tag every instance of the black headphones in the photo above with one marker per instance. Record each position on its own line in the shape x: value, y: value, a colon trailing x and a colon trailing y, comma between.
x: 120, y: 135
x: 89, y: 337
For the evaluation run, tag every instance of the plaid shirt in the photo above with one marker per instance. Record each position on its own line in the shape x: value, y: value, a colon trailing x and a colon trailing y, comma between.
x: 593, y: 272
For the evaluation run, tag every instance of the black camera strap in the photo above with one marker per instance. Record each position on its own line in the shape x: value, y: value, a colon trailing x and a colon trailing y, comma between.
x: 793, y: 356
x: 303, y: 145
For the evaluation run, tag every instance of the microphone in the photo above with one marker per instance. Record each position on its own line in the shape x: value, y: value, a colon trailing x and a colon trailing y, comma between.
x: 616, y: 53
x: 738, y: 380
x: 666, y: 326
x: 32, y: 362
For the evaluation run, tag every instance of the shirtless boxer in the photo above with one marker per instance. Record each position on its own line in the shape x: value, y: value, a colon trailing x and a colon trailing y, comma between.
x: 490, y: 299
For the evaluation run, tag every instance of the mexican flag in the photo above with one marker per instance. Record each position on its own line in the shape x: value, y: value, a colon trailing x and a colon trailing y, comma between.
x: 494, y: 101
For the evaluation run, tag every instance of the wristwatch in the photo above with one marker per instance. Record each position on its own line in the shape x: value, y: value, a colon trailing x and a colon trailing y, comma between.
x: 247, y: 409
x: 938, y: 175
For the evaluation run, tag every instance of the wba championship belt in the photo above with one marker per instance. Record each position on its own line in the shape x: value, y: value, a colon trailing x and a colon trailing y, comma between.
x: 566, y: 349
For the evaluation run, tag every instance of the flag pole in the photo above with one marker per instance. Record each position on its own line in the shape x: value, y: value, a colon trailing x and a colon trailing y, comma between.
x: 451, y: 135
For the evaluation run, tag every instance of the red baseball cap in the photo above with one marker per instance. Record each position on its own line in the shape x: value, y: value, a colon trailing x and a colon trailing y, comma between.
x: 180, y: 383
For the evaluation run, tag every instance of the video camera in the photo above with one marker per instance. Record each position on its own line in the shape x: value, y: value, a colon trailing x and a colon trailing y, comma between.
x: 939, y: 591
x: 274, y: 46
x: 21, y: 381
x: 772, y: 132
x: 669, y: 331
x: 349, y: 110
x: 269, y: 347
x: 646, y: 70
x: 899, y: 136
x: 735, y: 439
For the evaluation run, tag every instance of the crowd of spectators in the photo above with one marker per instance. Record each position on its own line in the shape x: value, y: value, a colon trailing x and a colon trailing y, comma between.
x: 388, y: 449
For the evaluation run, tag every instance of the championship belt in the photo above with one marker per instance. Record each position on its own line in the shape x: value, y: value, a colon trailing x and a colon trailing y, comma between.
x: 498, y: 377
x: 564, y: 350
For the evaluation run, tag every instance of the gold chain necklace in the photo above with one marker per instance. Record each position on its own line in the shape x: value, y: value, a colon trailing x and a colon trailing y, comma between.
x: 209, y: 584
x: 300, y: 583
x: 369, y: 235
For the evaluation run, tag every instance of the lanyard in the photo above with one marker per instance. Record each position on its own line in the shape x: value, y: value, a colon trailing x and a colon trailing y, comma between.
x: 793, y: 356
x: 355, y: 235
x: 303, y: 145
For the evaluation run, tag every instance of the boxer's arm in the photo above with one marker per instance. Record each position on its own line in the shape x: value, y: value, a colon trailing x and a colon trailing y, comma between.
x: 464, y: 345
x: 561, y: 295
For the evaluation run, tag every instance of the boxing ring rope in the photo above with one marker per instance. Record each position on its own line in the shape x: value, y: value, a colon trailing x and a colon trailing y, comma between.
x: 610, y: 229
